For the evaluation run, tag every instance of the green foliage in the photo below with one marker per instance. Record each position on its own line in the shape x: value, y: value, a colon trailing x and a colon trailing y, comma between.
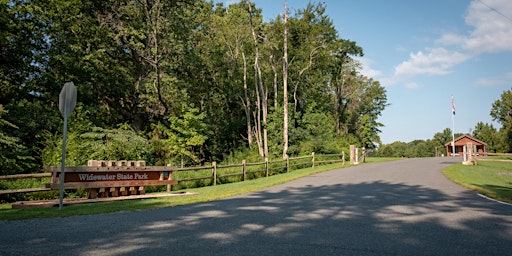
x: 97, y: 144
x: 163, y: 81
x: 8, y: 146
x: 416, y: 148
x: 182, y: 139
x: 115, y: 144
x: 320, y: 136
x: 502, y: 112
x: 489, y: 135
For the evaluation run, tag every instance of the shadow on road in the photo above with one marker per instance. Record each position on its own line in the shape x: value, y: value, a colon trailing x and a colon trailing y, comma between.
x: 372, y: 218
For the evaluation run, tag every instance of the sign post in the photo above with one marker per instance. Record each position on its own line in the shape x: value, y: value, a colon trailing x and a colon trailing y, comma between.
x: 67, y: 102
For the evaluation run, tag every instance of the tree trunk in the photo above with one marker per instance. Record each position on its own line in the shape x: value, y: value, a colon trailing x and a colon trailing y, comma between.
x: 262, y: 107
x: 285, y: 85
x: 274, y: 69
x: 247, y: 104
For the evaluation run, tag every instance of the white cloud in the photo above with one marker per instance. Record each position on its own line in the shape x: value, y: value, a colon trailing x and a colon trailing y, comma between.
x: 436, y: 61
x: 412, y: 85
x: 491, y: 32
x: 492, y: 24
x: 503, y: 80
x: 491, y: 28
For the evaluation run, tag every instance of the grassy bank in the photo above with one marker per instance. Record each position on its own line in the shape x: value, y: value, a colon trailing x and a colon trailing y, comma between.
x: 492, y: 179
x: 204, y: 194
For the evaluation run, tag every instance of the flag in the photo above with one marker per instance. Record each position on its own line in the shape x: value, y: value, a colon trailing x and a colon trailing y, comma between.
x: 453, y: 106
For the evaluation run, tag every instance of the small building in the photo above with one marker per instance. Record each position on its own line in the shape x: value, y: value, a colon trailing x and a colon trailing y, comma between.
x: 460, y: 142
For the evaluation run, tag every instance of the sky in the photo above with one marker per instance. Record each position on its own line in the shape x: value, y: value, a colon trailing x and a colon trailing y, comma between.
x: 424, y: 53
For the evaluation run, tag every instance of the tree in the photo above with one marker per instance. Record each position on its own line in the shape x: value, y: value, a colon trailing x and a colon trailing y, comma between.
x: 261, y: 94
x: 371, y: 102
x: 176, y: 73
x: 12, y: 152
x: 285, y: 83
x: 441, y: 138
x: 486, y: 133
x: 183, y: 139
x: 502, y: 112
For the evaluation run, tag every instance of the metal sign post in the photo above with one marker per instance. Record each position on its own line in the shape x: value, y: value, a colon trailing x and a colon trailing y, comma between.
x: 67, y: 102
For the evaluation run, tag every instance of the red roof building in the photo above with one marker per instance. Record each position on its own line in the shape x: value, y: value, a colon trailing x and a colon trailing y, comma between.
x: 460, y: 142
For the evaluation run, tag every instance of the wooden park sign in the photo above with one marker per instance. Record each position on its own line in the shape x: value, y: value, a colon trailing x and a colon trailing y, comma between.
x: 112, y: 178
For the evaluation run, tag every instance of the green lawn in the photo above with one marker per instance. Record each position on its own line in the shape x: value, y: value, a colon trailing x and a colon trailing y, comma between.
x: 492, y: 179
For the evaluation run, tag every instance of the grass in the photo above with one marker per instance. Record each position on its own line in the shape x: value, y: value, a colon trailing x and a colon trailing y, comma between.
x: 204, y: 194
x: 492, y: 179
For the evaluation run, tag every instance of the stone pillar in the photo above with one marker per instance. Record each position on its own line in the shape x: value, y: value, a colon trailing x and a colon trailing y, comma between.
x: 352, y: 154
x: 470, y: 157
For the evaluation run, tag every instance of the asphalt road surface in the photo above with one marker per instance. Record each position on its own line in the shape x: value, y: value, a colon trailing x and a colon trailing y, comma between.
x: 394, y: 208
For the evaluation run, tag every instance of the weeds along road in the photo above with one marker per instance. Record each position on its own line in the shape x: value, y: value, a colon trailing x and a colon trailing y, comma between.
x: 393, y: 208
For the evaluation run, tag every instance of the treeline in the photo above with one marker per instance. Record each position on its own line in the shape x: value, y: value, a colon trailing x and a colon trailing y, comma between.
x: 177, y: 82
x: 498, y: 140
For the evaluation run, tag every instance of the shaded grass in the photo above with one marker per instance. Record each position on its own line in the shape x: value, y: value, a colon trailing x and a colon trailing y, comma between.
x: 492, y: 179
x: 204, y: 194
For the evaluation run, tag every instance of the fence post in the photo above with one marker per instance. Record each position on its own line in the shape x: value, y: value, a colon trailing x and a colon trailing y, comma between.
x: 313, y: 160
x: 243, y: 169
x: 342, y: 157
x: 214, y: 172
x: 169, y: 186
x: 352, y: 154
x: 357, y: 156
x: 287, y: 163
x: 266, y: 166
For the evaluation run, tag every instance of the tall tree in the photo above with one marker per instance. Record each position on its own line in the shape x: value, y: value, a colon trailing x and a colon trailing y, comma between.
x: 343, y: 70
x: 285, y: 83
x: 261, y: 92
x: 23, y: 60
x: 502, y: 112
x: 486, y: 133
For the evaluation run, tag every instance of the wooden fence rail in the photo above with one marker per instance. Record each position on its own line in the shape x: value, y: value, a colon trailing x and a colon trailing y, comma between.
x: 266, y: 167
x: 495, y: 159
x: 24, y: 176
x: 499, y: 154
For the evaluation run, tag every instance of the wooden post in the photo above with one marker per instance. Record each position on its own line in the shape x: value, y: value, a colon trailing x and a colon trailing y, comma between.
x: 342, y: 157
x: 114, y: 192
x: 244, y: 170
x: 287, y: 163
x: 313, y: 160
x: 214, y: 172
x: 266, y: 166
x: 169, y: 177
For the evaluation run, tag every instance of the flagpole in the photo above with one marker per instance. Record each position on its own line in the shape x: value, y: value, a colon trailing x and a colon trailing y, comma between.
x: 453, y: 127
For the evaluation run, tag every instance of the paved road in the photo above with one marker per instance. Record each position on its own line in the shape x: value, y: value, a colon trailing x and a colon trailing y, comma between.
x: 394, y: 208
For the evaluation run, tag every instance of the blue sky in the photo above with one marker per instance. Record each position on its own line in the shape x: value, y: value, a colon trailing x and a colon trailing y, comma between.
x: 425, y: 52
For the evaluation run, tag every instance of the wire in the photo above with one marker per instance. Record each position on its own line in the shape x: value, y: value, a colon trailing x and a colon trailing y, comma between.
x: 494, y: 10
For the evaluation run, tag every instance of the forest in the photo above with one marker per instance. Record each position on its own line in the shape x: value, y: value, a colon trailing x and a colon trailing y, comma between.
x: 182, y: 82
x: 188, y: 82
